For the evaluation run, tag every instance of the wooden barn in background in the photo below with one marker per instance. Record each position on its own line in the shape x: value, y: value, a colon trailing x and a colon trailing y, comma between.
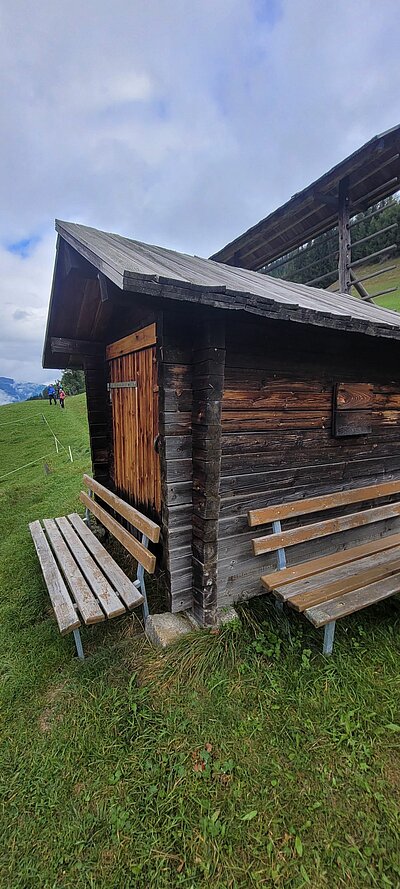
x: 329, y: 206
x: 213, y: 390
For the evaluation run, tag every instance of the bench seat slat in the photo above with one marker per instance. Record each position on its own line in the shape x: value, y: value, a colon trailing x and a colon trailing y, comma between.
x: 63, y: 606
x: 101, y: 587
x: 354, y: 580
x: 88, y: 605
x: 277, y: 579
x: 322, y: 529
x: 338, y: 574
x: 128, y: 512
x: 317, y: 504
x: 335, y: 609
x: 124, y: 587
x: 136, y: 549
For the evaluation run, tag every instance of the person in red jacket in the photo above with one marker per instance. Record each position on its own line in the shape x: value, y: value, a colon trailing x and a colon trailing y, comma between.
x: 61, y: 396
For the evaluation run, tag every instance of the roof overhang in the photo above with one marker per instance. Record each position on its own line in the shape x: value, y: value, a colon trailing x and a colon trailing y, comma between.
x: 95, y: 271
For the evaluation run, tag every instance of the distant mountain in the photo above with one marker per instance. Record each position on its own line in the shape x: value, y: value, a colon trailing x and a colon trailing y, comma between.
x: 10, y: 391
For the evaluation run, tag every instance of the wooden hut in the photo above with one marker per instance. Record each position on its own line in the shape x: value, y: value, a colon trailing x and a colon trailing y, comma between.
x: 212, y: 390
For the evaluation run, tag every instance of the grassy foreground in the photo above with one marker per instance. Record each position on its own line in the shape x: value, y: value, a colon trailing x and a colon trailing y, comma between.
x: 237, y: 759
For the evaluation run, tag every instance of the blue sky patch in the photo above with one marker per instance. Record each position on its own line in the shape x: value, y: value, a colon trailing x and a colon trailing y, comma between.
x: 25, y: 247
x: 268, y: 11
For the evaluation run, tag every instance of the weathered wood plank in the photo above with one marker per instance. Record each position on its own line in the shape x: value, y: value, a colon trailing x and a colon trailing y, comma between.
x: 104, y: 592
x: 139, y: 340
x: 121, y: 583
x: 352, y: 396
x: 277, y: 580
x: 355, y: 601
x: 344, y: 580
x: 139, y: 552
x: 321, y: 529
x: 63, y: 606
x: 318, y: 504
x: 132, y: 515
x: 88, y: 605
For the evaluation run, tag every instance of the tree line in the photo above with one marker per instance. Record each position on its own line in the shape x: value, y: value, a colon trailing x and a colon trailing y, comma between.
x: 320, y: 256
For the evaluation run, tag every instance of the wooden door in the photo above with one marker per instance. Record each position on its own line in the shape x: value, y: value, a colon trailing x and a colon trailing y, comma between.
x: 134, y: 397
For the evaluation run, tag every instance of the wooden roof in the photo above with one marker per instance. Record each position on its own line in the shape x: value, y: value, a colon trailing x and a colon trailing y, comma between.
x: 155, y: 271
x: 374, y: 173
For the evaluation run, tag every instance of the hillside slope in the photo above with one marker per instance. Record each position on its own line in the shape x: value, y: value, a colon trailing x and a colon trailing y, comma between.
x: 382, y: 282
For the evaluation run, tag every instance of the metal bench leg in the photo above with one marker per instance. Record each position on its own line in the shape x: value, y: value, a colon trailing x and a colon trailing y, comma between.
x: 140, y: 581
x: 278, y: 605
x: 329, y: 633
x: 142, y: 587
x: 78, y: 643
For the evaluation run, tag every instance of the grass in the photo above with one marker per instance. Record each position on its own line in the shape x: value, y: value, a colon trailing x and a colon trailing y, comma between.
x: 382, y: 282
x: 235, y: 759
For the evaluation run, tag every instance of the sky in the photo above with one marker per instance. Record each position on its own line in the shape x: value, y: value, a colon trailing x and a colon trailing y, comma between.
x: 175, y: 122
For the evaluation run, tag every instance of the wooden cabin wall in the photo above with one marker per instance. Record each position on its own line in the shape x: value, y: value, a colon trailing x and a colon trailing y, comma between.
x: 277, y: 442
x: 176, y: 400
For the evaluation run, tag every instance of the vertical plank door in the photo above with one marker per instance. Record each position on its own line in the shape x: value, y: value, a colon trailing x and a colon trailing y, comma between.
x: 134, y: 397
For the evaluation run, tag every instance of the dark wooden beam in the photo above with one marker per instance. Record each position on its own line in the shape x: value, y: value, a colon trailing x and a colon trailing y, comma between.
x: 208, y: 384
x: 76, y: 347
x: 328, y: 200
x: 361, y: 290
x: 104, y: 288
x: 73, y: 263
x: 344, y: 236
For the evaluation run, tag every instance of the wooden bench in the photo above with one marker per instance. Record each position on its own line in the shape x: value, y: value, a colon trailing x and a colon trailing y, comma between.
x: 330, y: 587
x: 85, y: 584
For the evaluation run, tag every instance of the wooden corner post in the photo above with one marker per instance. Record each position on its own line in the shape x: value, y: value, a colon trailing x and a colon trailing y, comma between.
x: 344, y: 237
x: 208, y: 384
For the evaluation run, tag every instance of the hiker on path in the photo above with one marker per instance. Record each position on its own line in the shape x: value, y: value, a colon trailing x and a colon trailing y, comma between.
x: 61, y: 396
x: 52, y: 394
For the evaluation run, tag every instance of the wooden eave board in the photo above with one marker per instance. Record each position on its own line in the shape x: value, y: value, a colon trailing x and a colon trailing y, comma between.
x: 121, y: 583
x: 61, y: 601
x: 276, y: 580
x: 101, y: 587
x: 361, y: 598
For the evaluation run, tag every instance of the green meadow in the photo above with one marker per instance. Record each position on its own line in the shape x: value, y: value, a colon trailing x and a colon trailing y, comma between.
x: 385, y: 281
x: 238, y: 758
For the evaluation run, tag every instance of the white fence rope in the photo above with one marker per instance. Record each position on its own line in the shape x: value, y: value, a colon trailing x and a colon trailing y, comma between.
x: 12, y: 422
x: 57, y: 443
x: 56, y: 439
x: 24, y: 466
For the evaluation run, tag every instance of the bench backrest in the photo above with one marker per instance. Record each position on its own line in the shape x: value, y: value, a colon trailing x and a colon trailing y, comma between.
x: 148, y: 529
x: 278, y: 539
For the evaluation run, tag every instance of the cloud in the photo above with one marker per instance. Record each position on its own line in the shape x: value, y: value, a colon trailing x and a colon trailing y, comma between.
x: 24, y: 297
x: 175, y: 123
